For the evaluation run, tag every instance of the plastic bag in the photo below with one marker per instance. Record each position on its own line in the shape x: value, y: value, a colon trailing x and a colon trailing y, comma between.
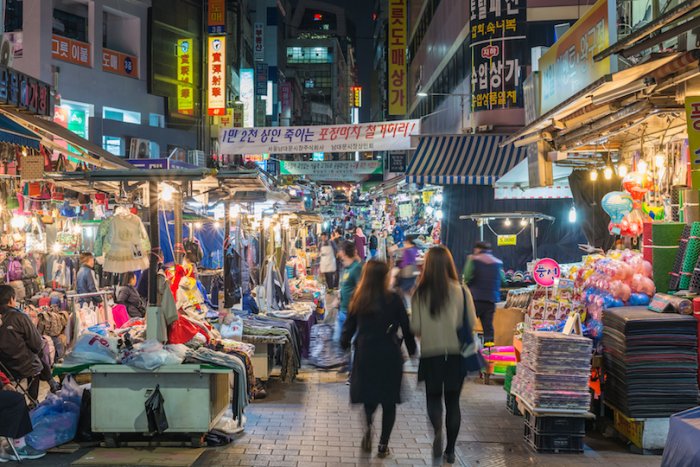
x: 55, y: 420
x: 150, y: 355
x: 232, y: 328
x: 182, y: 331
x: 155, y: 412
x: 93, y: 348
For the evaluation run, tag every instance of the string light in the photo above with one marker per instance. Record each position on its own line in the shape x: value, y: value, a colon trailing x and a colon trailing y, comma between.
x: 523, y: 222
x: 642, y: 166
x: 572, y: 214
x: 439, y: 214
x: 622, y: 170
x: 234, y: 210
x: 18, y: 222
x: 660, y: 161
x: 197, y: 225
x: 217, y: 225
x: 56, y: 248
x: 166, y: 192
x: 608, y: 172
x: 507, y: 222
x: 594, y: 175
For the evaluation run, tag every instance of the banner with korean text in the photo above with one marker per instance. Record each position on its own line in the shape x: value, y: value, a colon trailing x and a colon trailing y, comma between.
x: 332, y: 171
x: 397, y: 57
x: 383, y: 136
x: 692, y: 109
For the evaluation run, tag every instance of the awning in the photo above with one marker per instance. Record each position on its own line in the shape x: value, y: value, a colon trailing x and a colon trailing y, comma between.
x: 49, y: 131
x: 462, y: 159
x: 598, y: 96
x: 515, y: 184
x: 11, y: 132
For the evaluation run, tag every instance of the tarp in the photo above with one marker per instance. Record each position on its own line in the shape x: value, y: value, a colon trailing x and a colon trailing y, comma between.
x: 210, y: 238
x: 682, y: 447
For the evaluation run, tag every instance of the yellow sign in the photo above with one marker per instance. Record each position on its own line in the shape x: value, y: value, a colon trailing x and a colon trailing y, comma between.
x: 568, y: 66
x: 185, y: 74
x: 507, y: 240
x: 397, y: 57
x: 692, y: 113
x: 356, y: 96
x: 216, y: 91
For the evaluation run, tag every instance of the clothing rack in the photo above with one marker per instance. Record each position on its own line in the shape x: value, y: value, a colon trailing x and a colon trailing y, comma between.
x: 73, y: 297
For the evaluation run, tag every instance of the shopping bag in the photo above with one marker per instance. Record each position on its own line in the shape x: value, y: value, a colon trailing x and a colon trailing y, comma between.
x: 155, y: 412
x: 472, y: 360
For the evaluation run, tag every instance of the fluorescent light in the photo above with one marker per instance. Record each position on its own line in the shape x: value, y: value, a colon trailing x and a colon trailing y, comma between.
x: 422, y: 94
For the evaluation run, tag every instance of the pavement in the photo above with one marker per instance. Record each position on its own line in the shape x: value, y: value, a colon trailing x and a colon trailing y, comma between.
x: 310, y: 423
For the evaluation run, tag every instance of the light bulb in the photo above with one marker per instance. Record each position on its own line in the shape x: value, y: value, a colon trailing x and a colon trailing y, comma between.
x: 166, y: 192
x: 217, y: 225
x: 622, y: 170
x: 523, y: 222
x: 56, y: 248
x: 608, y: 172
x: 438, y: 214
x: 18, y: 222
x: 642, y: 166
x: 507, y: 222
x: 572, y: 214
x: 660, y: 161
x: 438, y: 198
x: 197, y: 225
x: 594, y: 175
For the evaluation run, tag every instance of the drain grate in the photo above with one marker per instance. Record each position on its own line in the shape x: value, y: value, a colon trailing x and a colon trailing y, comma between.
x: 476, y: 454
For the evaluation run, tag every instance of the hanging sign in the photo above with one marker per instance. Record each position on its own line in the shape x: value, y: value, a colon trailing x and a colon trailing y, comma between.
x: 216, y: 16
x: 507, y: 240
x: 185, y: 74
x: 23, y: 91
x: 217, y: 76
x: 261, y: 70
x: 397, y: 57
x: 692, y: 110
x: 331, y: 171
x: 120, y: 63
x: 397, y: 163
x: 258, y: 42
x: 385, y: 136
x: 546, y: 271
x: 71, y: 51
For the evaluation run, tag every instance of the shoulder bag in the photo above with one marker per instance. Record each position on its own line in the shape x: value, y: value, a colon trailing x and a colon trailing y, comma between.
x: 470, y: 350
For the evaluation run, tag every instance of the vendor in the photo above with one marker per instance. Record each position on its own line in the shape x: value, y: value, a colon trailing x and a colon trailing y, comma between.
x: 15, y: 424
x: 129, y: 296
x: 86, y: 279
x: 20, y: 343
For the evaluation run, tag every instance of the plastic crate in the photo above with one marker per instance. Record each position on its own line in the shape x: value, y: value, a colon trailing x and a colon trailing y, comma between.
x: 556, y: 425
x: 553, y: 443
x: 512, y: 405
x: 631, y: 429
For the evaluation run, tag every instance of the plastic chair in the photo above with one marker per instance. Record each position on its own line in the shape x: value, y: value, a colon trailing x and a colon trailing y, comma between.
x: 17, y: 384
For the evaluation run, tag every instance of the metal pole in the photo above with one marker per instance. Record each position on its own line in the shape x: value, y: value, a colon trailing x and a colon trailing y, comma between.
x: 481, y: 230
x: 154, y: 236
x: 179, y: 249
x: 461, y: 115
x: 228, y: 279
x: 533, y: 237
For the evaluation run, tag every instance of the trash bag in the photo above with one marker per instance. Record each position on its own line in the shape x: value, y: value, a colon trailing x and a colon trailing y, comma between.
x: 150, y: 355
x: 93, y: 348
x: 155, y: 412
x: 323, y: 352
x: 85, y: 432
x: 182, y: 331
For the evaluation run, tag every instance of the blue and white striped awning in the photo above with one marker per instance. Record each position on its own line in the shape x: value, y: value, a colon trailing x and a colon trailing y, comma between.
x: 462, y: 160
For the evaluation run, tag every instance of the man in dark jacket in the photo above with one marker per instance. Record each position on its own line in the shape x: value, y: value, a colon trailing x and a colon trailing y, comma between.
x: 483, y: 273
x: 86, y: 279
x: 20, y: 344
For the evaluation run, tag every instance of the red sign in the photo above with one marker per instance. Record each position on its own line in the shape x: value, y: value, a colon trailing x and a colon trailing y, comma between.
x: 546, y: 271
x: 120, y: 63
x: 490, y: 51
x: 216, y: 16
x: 217, y: 76
x: 71, y: 51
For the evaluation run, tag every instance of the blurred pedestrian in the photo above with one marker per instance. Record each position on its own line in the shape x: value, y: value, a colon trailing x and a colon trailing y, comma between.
x: 360, y: 243
x: 373, y: 244
x: 375, y: 316
x: 483, y: 274
x: 438, y: 308
x: 328, y: 265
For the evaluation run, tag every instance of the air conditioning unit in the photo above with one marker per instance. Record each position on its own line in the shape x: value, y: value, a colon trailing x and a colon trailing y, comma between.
x: 7, y: 52
x: 139, y: 149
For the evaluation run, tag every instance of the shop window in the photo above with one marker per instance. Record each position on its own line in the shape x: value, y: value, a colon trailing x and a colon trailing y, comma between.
x: 121, y: 32
x: 126, y: 116
x: 155, y: 149
x: 14, y: 15
x: 70, y: 25
x: 156, y: 120
x: 113, y: 144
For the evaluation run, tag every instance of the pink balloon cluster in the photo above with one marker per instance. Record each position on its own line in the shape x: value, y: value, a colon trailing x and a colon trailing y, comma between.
x: 621, y: 276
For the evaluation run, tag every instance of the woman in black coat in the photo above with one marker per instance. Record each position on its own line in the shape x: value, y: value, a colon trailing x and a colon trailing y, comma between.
x: 130, y: 298
x: 374, y: 318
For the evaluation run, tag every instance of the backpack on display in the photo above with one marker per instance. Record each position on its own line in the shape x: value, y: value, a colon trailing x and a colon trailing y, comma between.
x: 14, y: 270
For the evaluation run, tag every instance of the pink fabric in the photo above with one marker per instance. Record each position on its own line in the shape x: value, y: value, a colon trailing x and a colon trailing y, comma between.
x: 120, y: 315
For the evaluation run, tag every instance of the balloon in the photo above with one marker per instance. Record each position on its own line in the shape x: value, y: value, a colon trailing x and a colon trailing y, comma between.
x: 639, y: 299
x: 636, y: 184
x: 616, y: 204
x: 654, y: 212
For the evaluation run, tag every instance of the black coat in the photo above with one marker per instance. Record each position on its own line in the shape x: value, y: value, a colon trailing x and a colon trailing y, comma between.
x: 130, y: 298
x: 377, y: 367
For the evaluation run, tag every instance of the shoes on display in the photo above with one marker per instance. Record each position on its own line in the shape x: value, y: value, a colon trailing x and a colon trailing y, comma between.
x: 450, y: 457
x: 367, y: 440
x: 383, y: 451
x: 28, y: 453
x: 437, y: 445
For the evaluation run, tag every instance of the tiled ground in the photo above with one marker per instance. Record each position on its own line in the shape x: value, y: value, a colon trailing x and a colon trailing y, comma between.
x: 310, y: 423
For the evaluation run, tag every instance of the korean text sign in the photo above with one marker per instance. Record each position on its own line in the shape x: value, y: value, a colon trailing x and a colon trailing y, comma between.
x: 568, y: 66
x: 216, y: 16
x: 384, y: 136
x: 185, y: 74
x: 397, y: 57
x: 692, y: 109
x: 120, y: 63
x: 546, y: 271
x: 498, y: 29
x: 71, y: 51
x: 331, y: 170
x: 216, y: 90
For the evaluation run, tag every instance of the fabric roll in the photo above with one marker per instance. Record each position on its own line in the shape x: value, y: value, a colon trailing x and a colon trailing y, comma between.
x: 664, y: 241
x: 675, y: 278
x: 692, y: 253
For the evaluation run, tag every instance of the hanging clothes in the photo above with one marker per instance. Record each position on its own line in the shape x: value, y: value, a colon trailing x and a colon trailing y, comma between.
x: 124, y: 243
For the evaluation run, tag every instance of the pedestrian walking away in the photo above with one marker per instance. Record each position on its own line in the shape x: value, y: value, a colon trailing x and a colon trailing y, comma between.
x: 328, y: 266
x: 375, y: 317
x: 483, y: 274
x: 438, y: 307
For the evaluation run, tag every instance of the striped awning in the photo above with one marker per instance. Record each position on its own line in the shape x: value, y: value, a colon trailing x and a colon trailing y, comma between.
x: 462, y: 160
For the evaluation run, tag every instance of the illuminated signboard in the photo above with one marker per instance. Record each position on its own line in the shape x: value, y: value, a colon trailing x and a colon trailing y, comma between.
x: 397, y: 57
x: 216, y: 91
x: 248, y: 96
x: 185, y: 77
x: 356, y: 96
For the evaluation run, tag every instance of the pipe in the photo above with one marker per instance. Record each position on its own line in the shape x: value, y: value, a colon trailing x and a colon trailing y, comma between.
x: 607, y: 121
x: 178, y: 248
x: 228, y: 279
x: 664, y: 36
x: 154, y: 236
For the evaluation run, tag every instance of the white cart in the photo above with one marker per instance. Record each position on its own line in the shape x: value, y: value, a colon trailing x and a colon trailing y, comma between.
x: 195, y: 398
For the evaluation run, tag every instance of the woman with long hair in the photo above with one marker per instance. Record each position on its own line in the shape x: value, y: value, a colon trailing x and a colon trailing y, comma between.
x: 438, y: 307
x: 375, y: 316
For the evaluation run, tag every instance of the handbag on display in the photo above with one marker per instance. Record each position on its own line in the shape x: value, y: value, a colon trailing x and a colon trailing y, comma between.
x: 470, y: 350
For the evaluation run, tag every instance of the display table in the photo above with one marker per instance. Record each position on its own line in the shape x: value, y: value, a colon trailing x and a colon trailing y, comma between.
x: 195, y: 398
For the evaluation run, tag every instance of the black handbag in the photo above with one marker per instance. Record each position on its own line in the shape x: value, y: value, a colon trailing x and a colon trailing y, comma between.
x: 155, y: 412
x: 472, y: 360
